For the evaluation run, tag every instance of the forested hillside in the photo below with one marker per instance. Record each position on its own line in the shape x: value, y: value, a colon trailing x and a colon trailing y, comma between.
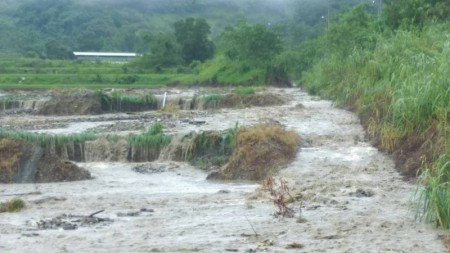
x: 26, y: 26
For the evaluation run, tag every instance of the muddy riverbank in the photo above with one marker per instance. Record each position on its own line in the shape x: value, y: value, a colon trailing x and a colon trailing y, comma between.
x: 353, y: 198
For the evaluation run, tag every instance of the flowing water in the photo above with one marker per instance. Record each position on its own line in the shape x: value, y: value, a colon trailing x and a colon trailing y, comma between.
x: 353, y: 198
x: 28, y: 170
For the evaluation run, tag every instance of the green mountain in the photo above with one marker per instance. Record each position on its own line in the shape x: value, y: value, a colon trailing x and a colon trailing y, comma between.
x: 26, y: 26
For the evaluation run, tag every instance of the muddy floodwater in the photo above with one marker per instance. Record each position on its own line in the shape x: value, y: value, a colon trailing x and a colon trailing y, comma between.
x: 353, y: 199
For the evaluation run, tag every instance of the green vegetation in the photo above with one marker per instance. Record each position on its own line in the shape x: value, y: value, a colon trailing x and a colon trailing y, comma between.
x: 244, y: 91
x: 392, y: 69
x: 177, y: 40
x: 6, y: 103
x: 102, y: 25
x: 14, y: 205
x: 387, y: 60
x: 117, y: 101
x: 192, y: 35
x: 212, y: 98
x: 153, y: 138
x: 212, y: 148
x: 46, y: 140
x: 189, y: 43
x: 33, y: 73
x: 435, y: 197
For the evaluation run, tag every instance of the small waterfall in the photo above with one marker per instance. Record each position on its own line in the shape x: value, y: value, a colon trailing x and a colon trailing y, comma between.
x: 178, y: 148
x: 103, y: 149
x: 25, y: 105
x: 186, y: 104
x: 28, y: 104
x: 29, y: 164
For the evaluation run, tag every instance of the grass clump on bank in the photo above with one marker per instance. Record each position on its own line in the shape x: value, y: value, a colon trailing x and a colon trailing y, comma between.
x: 14, y: 205
x: 153, y: 138
x: 148, y: 145
x: 259, y: 151
x: 434, y: 196
x: 7, y: 103
x: 244, y: 91
x: 400, y: 89
x: 46, y: 140
x: 211, y: 149
x: 212, y: 98
x: 117, y: 101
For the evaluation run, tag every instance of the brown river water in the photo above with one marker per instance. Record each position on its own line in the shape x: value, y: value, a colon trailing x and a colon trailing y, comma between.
x: 354, y: 200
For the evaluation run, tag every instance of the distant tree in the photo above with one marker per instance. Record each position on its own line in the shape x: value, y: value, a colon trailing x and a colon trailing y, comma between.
x: 55, y: 50
x: 354, y: 29
x: 254, y: 44
x: 192, y: 34
x: 165, y: 51
x: 415, y: 12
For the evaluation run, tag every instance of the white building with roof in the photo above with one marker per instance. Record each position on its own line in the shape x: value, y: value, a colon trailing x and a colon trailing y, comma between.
x: 105, y: 55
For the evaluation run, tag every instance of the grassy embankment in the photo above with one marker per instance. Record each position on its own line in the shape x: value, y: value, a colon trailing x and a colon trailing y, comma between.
x: 401, y: 90
x: 36, y: 73
x: 151, y: 138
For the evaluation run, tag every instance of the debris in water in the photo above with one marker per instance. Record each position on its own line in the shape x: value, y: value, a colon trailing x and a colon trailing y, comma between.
x: 151, y: 168
x: 363, y: 193
x: 295, y: 245
x: 129, y: 214
x: 147, y: 210
x: 70, y: 222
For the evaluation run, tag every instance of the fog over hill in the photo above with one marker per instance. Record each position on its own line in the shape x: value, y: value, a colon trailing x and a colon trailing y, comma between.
x: 118, y: 25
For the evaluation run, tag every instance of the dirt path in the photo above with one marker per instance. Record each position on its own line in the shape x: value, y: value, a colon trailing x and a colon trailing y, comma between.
x: 353, y: 198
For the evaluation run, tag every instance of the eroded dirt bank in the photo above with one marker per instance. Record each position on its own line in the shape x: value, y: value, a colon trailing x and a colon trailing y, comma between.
x: 353, y: 198
x: 24, y: 162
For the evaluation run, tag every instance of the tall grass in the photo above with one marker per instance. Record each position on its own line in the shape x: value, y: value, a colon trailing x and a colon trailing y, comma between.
x: 117, y: 101
x: 434, y: 196
x: 402, y: 91
x: 45, y: 140
x: 215, y: 143
x: 154, y: 138
x: 407, y: 71
x: 211, y: 148
x: 7, y: 103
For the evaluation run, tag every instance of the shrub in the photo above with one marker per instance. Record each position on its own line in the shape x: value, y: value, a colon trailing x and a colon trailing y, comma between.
x: 14, y: 205
x: 279, y: 191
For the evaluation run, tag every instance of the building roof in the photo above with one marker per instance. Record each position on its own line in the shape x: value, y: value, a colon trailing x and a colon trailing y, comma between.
x: 105, y: 54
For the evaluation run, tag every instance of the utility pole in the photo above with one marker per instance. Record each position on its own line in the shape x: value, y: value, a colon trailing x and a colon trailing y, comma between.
x: 380, y: 6
x: 328, y: 17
